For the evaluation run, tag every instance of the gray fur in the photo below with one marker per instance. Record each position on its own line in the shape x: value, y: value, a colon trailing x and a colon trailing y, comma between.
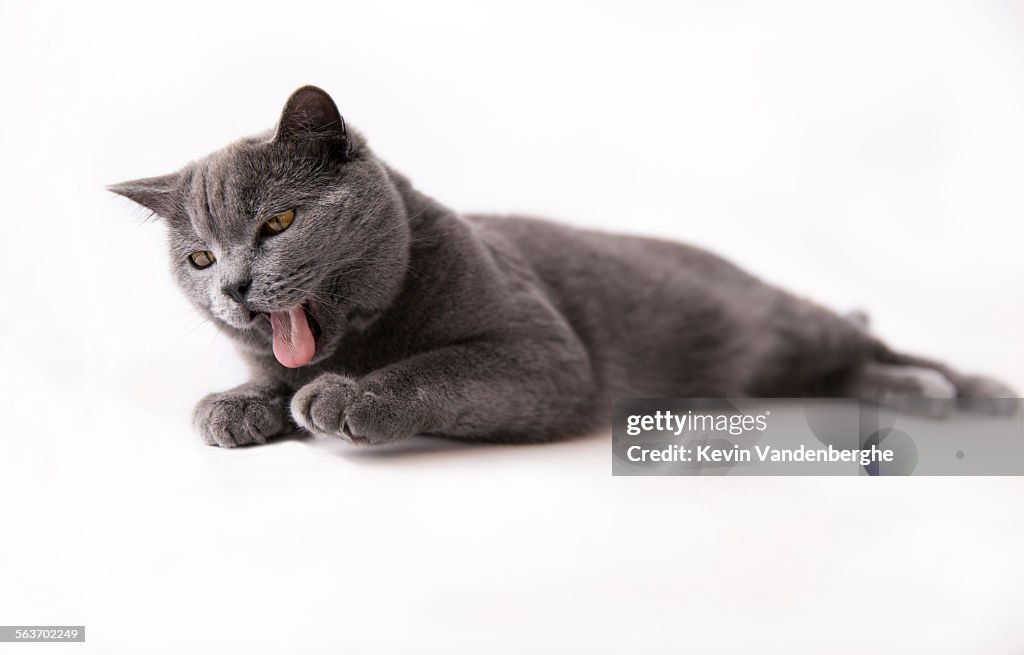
x: 481, y: 327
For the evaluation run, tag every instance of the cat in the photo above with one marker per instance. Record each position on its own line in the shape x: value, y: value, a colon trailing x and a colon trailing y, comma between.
x: 368, y: 311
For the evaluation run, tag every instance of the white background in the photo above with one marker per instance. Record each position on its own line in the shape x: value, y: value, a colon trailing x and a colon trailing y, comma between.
x: 868, y: 155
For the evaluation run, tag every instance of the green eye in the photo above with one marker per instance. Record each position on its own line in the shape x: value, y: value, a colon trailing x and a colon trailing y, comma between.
x: 202, y: 258
x: 277, y: 224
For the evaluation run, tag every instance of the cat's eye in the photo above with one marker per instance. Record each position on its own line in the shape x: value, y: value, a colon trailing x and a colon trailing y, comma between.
x: 277, y: 224
x: 202, y: 258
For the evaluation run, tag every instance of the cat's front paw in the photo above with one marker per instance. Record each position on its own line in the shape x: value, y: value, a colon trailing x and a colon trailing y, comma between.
x: 377, y: 417
x: 319, y: 407
x: 239, y: 417
x: 337, y: 406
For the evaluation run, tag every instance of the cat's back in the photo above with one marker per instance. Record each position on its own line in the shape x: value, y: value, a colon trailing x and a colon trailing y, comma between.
x: 654, y: 315
x: 558, y: 252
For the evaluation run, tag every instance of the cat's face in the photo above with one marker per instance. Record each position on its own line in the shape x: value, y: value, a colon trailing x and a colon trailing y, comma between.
x: 287, y: 240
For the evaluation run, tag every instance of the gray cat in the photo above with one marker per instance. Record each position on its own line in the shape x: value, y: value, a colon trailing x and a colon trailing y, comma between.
x: 368, y: 311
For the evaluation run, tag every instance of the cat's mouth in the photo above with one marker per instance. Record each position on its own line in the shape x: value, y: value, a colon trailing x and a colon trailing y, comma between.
x: 296, y: 331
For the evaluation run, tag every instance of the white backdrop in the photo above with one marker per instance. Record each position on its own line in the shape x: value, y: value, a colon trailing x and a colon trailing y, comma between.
x: 868, y: 155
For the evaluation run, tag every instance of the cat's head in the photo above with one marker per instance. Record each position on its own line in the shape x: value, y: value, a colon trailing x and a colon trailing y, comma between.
x: 286, y: 239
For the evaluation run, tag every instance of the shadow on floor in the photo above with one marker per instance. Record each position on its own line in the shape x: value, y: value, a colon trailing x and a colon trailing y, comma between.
x: 424, y: 447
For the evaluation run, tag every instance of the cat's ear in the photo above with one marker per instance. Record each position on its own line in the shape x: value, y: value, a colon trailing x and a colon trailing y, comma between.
x: 158, y: 194
x: 311, y: 115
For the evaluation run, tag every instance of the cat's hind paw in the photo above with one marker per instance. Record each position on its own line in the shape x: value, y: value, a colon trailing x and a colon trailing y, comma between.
x: 985, y: 394
x: 913, y: 389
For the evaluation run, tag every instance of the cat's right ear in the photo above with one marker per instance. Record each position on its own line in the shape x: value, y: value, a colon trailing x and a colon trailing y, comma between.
x: 157, y: 194
x: 311, y: 116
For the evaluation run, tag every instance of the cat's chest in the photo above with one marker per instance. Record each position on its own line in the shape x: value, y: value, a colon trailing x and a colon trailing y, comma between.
x: 355, y: 356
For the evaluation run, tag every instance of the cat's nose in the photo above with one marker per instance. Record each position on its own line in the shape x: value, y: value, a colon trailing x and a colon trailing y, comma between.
x: 237, y: 291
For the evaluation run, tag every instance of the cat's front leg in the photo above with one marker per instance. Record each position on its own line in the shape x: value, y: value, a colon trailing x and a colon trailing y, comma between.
x: 492, y: 391
x: 320, y: 406
x: 363, y: 413
x: 250, y: 413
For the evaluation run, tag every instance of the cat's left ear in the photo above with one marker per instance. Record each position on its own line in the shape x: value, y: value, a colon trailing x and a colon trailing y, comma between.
x: 158, y: 194
x: 310, y: 115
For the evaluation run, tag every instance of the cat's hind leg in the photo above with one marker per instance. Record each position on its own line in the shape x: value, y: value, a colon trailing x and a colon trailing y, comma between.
x: 815, y: 352
x: 977, y: 392
x: 915, y: 389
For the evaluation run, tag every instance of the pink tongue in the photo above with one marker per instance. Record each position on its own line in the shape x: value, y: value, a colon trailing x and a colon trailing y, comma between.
x: 293, y: 342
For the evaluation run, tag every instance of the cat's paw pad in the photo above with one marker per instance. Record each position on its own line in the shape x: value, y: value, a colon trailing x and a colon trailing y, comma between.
x: 919, y: 390
x: 319, y: 407
x: 859, y: 318
x: 231, y: 419
x: 914, y: 389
